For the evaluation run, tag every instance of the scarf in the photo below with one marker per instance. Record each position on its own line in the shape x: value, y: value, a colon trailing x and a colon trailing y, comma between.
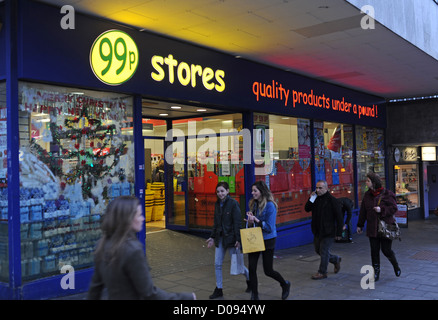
x: 377, y: 191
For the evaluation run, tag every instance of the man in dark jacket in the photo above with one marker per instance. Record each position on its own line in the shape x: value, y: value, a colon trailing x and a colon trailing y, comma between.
x: 327, y: 222
x: 347, y: 206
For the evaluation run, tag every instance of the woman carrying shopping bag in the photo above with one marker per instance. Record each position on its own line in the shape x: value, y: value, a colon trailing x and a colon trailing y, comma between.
x: 225, y: 234
x: 263, y: 214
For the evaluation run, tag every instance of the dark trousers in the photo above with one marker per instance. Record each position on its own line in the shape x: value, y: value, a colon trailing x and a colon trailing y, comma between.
x: 322, y: 247
x: 268, y: 265
x: 385, y: 245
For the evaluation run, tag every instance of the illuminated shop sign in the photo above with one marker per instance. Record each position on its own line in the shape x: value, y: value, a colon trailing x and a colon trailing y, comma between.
x: 193, y: 74
x: 114, y: 57
x: 291, y: 98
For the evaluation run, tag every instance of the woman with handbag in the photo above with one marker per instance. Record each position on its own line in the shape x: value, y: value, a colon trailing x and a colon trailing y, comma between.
x: 225, y: 234
x: 378, y: 203
x: 264, y: 214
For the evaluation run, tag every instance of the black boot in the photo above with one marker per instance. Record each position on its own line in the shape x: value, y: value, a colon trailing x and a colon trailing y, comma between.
x: 394, y: 263
x: 286, y: 290
x: 216, y: 293
x: 397, y: 270
x: 248, y: 286
x: 376, y: 268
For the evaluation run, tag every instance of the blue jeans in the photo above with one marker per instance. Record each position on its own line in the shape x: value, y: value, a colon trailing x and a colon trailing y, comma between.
x: 322, y: 247
x: 219, y: 255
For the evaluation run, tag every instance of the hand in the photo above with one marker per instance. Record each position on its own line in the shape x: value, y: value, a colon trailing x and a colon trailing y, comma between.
x: 210, y: 242
x: 377, y: 209
x: 359, y: 230
x: 344, y: 227
x: 237, y: 245
x: 250, y: 219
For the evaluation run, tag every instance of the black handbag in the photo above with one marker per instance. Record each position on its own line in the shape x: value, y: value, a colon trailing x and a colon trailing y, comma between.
x: 388, y: 231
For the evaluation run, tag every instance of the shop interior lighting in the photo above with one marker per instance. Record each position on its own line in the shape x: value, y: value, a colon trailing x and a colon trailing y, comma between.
x: 413, y: 98
x: 201, y: 110
x: 175, y: 107
x: 164, y: 114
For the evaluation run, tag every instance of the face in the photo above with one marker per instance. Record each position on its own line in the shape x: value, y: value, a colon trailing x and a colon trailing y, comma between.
x: 137, y: 223
x: 320, y: 188
x: 369, y: 183
x: 222, y: 192
x: 256, y: 193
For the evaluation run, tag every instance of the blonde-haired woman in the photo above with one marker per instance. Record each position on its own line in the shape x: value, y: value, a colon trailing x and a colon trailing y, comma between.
x: 119, y: 259
x: 263, y: 214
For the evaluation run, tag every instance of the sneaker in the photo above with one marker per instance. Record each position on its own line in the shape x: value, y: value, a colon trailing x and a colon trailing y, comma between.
x: 216, y: 293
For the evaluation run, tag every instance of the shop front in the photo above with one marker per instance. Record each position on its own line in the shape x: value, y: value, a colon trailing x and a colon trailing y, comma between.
x: 105, y: 110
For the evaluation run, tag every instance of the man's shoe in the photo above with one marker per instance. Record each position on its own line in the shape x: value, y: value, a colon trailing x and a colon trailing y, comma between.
x: 338, y: 265
x: 216, y: 293
x: 319, y: 276
x: 286, y: 290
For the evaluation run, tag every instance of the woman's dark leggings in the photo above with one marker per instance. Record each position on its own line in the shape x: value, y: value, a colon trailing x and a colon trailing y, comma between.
x: 384, y: 244
x: 268, y: 262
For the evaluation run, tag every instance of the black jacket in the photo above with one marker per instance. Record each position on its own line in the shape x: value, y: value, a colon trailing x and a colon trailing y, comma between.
x: 346, y: 206
x: 227, y: 223
x: 327, y: 219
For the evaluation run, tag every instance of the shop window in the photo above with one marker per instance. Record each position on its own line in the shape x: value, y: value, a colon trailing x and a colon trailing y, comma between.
x: 76, y: 155
x: 285, y: 146
x: 4, y: 261
x: 370, y: 156
x: 334, y: 157
x: 407, y: 185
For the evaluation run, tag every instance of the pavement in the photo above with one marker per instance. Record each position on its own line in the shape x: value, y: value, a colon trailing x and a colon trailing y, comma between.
x: 182, y: 262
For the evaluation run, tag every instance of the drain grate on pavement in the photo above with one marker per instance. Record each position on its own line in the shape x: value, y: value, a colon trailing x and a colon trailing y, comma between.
x: 426, y: 255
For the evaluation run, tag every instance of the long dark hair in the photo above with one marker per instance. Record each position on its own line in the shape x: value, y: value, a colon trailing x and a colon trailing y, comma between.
x: 116, y: 226
x: 375, y: 180
x: 265, y: 196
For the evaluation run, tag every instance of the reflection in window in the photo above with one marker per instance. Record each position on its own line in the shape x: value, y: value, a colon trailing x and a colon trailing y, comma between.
x: 286, y: 162
x: 370, y: 156
x: 334, y: 157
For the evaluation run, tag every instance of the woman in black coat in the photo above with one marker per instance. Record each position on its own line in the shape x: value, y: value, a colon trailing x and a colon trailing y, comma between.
x: 378, y: 203
x: 225, y: 234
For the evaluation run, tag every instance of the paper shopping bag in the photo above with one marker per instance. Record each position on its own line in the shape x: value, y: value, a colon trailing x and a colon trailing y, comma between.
x: 252, y: 240
x: 237, y: 264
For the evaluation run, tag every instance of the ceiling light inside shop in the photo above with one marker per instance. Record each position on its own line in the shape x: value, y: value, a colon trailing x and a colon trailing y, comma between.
x: 201, y: 110
x: 175, y: 107
x: 164, y: 114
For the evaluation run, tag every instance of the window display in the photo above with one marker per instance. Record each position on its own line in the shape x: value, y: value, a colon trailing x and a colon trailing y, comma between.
x: 334, y: 157
x: 370, y: 156
x: 287, y: 159
x: 407, y: 185
x: 76, y: 155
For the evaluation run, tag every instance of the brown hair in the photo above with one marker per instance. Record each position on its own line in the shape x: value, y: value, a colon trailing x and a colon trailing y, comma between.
x: 375, y: 180
x: 265, y: 196
x: 116, y: 226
